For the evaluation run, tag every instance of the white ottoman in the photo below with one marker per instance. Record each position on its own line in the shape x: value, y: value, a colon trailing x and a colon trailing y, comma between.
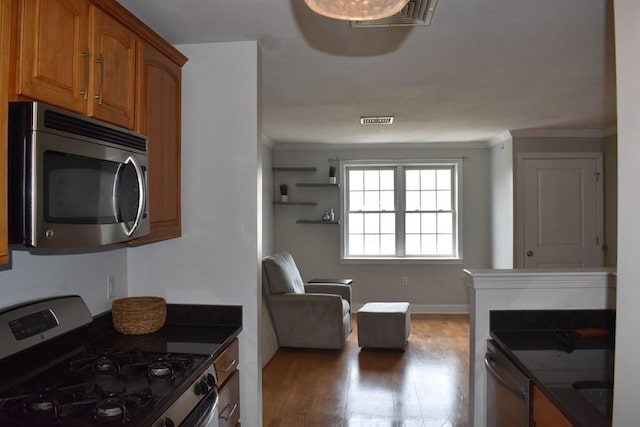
x: 384, y: 325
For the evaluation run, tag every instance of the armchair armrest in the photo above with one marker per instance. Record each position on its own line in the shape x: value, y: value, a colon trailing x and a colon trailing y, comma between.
x: 309, y: 320
x: 329, y: 288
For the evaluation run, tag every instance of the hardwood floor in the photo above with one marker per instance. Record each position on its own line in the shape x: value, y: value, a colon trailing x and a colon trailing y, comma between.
x: 427, y: 385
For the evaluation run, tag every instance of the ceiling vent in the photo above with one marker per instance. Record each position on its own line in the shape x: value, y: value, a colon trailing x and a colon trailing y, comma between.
x: 382, y: 120
x: 415, y: 13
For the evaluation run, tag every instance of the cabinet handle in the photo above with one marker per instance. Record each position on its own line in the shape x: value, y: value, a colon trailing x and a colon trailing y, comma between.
x: 232, y: 409
x: 85, y: 92
x: 229, y: 366
x: 100, y: 61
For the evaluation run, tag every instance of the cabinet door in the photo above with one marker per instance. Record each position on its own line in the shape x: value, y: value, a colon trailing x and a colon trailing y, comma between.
x: 5, y: 12
x: 158, y: 117
x: 52, y: 55
x: 113, y: 67
x: 545, y: 413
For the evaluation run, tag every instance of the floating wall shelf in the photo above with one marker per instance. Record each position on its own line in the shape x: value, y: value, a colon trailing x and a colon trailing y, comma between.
x: 302, y: 169
x: 277, y: 202
x: 315, y: 221
x: 316, y: 184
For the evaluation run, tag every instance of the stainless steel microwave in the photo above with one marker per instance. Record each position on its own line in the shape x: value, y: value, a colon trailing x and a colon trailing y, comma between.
x: 74, y: 181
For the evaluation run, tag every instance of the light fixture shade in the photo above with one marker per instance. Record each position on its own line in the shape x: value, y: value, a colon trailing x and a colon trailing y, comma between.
x: 356, y: 10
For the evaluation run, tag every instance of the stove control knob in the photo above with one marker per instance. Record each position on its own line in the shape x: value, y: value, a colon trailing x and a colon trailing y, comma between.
x: 201, y: 387
x: 166, y: 423
x: 211, y: 380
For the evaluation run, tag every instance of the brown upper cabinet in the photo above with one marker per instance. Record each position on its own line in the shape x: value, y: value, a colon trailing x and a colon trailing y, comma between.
x: 158, y: 117
x: 97, y: 59
x: 72, y: 54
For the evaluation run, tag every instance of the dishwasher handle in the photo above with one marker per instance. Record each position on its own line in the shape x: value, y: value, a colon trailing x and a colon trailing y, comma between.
x: 512, y: 388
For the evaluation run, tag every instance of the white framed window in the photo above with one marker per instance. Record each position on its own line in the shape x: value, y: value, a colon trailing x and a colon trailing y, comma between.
x: 401, y: 210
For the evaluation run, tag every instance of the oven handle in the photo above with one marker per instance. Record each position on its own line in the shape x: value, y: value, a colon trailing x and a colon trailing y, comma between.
x: 488, y: 363
x: 205, y: 412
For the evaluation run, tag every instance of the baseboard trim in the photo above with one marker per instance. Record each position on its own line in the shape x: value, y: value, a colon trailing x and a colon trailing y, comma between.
x: 431, y: 308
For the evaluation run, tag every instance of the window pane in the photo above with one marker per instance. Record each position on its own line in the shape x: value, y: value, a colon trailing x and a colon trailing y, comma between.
x: 429, y: 244
x: 356, y: 200
x: 445, y: 223
x: 388, y: 223
x: 429, y: 224
x: 428, y: 200
x: 412, y: 180
x: 371, y: 201
x: 387, y: 178
x: 371, y: 244
x: 412, y: 200
x: 371, y: 180
x: 356, y: 223
x: 444, y: 179
x: 428, y: 179
x: 372, y: 223
x: 356, y: 244
x: 386, y: 201
x: 387, y: 244
x: 412, y: 223
x: 356, y: 180
x: 412, y: 244
x: 445, y: 244
x: 444, y: 200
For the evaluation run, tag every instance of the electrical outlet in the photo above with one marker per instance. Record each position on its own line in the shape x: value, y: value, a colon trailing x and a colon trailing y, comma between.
x: 405, y: 281
x: 111, y: 286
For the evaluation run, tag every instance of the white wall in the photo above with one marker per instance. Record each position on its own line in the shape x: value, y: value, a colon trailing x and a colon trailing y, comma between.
x: 216, y: 261
x: 610, y: 149
x: 627, y: 374
x: 269, y: 339
x: 316, y: 248
x: 32, y: 277
x: 502, y: 203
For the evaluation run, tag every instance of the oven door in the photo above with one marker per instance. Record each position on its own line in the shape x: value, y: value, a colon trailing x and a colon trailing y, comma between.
x: 205, y: 414
x: 507, y: 390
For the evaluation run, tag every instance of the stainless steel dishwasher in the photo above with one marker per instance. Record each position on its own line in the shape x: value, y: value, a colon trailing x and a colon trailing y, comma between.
x: 508, y: 390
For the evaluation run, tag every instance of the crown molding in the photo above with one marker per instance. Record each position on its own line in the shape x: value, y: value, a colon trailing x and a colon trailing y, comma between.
x: 563, y: 133
x: 315, y: 146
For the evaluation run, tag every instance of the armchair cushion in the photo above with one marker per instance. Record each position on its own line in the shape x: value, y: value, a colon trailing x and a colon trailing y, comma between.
x: 283, y: 274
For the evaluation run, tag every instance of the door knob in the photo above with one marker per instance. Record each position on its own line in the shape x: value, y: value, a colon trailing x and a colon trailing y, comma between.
x: 529, y: 253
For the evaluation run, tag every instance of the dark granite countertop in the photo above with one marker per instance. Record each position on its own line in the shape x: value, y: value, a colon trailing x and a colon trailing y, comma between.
x: 573, y: 370
x: 189, y: 328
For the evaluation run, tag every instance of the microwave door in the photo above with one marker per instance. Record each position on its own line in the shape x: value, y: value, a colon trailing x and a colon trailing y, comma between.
x: 126, y: 203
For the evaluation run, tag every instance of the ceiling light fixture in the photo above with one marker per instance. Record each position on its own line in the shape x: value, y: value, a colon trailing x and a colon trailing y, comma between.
x: 356, y: 10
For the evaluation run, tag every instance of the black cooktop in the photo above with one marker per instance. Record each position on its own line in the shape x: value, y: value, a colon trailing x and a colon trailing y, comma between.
x: 99, y: 386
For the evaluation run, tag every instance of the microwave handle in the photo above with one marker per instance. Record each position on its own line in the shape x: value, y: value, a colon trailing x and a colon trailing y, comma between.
x: 142, y: 190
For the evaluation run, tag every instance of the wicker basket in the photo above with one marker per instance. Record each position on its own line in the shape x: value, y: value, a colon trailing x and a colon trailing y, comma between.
x: 138, y: 315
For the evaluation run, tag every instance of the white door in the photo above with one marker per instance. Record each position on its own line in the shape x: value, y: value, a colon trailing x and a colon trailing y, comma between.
x: 561, y: 211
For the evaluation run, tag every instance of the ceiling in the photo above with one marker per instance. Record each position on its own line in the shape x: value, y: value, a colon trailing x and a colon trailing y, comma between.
x: 479, y: 69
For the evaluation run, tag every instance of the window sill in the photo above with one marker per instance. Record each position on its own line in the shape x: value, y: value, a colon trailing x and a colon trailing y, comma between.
x: 404, y: 260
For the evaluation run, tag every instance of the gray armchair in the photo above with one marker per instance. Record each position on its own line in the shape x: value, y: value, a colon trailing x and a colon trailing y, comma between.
x: 308, y: 316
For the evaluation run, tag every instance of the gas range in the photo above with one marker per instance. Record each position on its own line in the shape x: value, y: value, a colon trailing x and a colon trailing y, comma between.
x: 60, y: 375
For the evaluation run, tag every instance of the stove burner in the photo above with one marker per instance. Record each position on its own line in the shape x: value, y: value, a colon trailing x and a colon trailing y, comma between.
x: 104, y: 364
x: 41, y: 405
x: 160, y: 369
x: 109, y: 409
